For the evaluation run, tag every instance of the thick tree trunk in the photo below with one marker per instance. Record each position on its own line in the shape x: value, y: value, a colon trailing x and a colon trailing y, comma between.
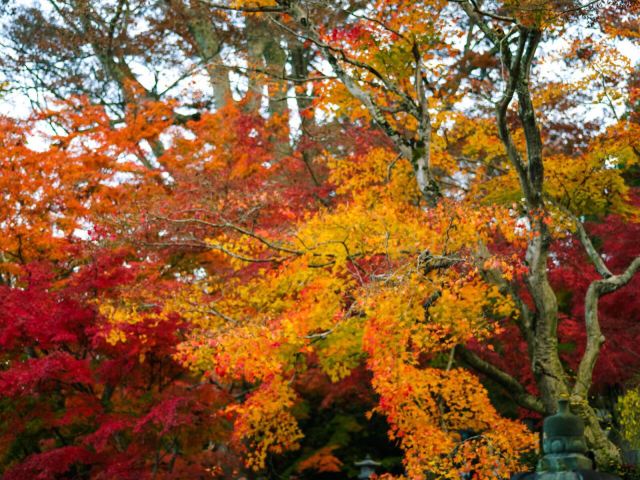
x: 607, y: 455
x: 545, y: 362
x: 548, y: 370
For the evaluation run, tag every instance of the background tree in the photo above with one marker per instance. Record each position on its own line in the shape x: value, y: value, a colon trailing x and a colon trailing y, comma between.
x: 411, y: 220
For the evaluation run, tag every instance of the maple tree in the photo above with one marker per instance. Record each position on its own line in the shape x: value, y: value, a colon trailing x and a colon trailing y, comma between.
x: 189, y: 278
x: 94, y: 394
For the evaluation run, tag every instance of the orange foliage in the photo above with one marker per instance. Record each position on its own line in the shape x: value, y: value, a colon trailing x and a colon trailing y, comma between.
x: 275, y: 268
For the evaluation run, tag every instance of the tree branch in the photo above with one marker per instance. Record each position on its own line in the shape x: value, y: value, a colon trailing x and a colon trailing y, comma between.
x: 231, y: 226
x: 415, y: 151
x: 263, y: 9
x: 595, y: 339
x: 491, y: 15
x: 590, y: 250
x: 506, y: 381
x: 528, y: 118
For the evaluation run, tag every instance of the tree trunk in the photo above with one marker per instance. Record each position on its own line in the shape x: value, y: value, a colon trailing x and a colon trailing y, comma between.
x: 266, y: 61
x: 545, y: 362
x: 208, y: 47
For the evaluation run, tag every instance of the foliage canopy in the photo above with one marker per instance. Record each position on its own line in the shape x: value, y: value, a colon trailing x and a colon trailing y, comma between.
x: 265, y: 236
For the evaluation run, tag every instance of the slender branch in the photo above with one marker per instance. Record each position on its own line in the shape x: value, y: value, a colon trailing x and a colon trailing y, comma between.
x: 380, y: 23
x: 230, y: 226
x: 590, y: 250
x: 221, y: 315
x: 491, y: 15
x: 513, y: 65
x: 277, y: 76
x: 258, y: 9
x: 477, y: 19
x: 200, y: 245
x: 330, y: 50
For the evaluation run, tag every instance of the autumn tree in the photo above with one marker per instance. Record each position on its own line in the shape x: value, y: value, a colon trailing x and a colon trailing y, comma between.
x: 94, y: 392
x: 417, y: 221
x: 502, y: 43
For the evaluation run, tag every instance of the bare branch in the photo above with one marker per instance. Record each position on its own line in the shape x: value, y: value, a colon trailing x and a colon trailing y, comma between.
x: 527, y: 116
x: 501, y: 112
x: 218, y: 313
x: 590, y: 250
x: 502, y: 378
x: 595, y: 339
x: 231, y: 226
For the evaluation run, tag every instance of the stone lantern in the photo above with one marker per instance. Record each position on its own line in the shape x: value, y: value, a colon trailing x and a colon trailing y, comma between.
x: 367, y: 467
x: 565, y: 450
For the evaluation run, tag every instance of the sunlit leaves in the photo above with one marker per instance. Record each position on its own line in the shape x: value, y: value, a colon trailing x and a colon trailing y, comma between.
x: 265, y: 420
x: 264, y: 258
x: 628, y: 407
